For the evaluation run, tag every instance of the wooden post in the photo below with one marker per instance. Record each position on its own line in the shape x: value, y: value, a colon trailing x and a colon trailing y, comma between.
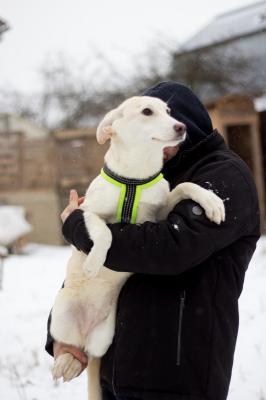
x: 3, y: 255
x: 1, y: 272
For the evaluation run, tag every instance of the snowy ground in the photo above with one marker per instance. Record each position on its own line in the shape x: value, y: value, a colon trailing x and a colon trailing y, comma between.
x: 30, y: 284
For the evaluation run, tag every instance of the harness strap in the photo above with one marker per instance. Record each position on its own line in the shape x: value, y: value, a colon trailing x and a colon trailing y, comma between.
x: 130, y: 193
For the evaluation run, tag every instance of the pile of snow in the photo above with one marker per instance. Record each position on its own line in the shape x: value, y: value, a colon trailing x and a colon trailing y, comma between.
x: 3, y: 251
x: 13, y: 224
x: 260, y: 103
x: 30, y: 284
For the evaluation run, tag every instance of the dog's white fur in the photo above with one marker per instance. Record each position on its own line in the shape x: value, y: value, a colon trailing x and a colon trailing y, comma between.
x: 84, y: 310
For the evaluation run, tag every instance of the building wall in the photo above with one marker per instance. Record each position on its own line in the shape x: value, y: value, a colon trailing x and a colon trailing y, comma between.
x: 26, y: 163
x: 10, y: 161
x: 28, y: 179
x: 39, y: 168
x: 79, y: 160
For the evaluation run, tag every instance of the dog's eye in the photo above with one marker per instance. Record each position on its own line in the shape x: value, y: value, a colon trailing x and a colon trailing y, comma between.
x: 147, y: 111
x: 168, y: 111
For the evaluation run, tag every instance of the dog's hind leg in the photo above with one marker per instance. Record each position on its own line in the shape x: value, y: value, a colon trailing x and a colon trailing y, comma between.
x: 100, y: 340
x: 66, y: 366
x: 94, y: 388
x: 101, y: 337
x: 102, y: 239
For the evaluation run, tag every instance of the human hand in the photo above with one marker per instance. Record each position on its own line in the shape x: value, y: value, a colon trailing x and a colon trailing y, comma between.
x: 61, y: 348
x: 74, y: 203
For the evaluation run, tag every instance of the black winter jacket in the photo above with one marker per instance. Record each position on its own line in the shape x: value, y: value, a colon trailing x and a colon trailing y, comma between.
x: 177, y: 318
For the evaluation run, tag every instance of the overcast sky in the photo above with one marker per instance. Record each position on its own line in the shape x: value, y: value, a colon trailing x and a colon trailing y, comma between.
x: 41, y: 28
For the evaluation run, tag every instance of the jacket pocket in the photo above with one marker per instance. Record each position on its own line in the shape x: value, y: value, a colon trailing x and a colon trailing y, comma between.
x: 181, y: 307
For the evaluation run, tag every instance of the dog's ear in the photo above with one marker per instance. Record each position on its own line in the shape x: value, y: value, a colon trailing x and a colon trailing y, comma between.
x: 105, y: 130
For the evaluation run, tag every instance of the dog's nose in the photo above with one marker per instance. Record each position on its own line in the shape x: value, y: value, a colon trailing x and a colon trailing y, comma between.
x: 180, y: 128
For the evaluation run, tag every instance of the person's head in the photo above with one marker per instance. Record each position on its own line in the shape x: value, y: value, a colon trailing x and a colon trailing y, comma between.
x: 186, y: 107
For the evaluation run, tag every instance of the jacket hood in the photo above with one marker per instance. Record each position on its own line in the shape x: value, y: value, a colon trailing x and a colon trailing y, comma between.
x: 185, y: 107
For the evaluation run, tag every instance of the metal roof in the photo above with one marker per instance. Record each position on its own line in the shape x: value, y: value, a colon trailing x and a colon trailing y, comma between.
x: 233, y: 24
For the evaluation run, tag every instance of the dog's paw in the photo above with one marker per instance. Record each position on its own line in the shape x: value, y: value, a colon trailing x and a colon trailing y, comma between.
x: 214, y: 207
x: 67, y: 367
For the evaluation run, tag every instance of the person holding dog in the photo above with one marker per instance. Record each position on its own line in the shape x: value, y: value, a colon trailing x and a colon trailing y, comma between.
x: 177, y: 316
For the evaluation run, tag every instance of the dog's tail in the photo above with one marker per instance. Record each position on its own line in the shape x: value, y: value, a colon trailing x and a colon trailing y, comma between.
x: 94, y: 388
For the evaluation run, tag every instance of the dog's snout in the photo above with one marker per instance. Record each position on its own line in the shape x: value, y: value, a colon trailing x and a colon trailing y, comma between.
x: 180, y: 128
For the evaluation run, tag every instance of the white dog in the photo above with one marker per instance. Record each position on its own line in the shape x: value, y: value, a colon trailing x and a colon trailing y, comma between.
x: 84, y: 310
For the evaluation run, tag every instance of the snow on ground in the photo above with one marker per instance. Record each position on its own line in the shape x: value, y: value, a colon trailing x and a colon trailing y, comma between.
x: 30, y: 284
x: 249, y: 372
x: 29, y: 287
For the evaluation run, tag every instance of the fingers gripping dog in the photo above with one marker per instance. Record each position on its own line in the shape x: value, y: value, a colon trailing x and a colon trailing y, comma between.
x: 130, y: 188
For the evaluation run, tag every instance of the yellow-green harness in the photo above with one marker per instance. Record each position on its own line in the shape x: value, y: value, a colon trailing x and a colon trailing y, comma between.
x: 130, y: 192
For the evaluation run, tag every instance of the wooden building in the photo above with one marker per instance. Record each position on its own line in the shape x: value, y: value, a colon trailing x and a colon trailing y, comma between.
x: 237, y: 120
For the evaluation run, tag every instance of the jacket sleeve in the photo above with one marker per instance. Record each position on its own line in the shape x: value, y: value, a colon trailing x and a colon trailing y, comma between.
x: 75, y: 232
x: 186, y: 238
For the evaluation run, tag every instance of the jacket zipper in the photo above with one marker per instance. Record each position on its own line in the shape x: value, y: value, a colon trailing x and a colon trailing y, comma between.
x: 180, y: 321
x: 114, y: 357
x: 113, y: 379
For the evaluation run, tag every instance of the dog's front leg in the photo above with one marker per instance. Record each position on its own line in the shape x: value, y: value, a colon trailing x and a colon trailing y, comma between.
x: 209, y: 201
x: 101, y: 236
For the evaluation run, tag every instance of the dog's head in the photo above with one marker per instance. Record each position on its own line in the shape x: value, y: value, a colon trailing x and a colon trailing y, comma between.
x: 140, y: 120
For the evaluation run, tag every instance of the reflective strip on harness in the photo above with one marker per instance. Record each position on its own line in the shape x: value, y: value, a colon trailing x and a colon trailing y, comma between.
x: 130, y: 193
